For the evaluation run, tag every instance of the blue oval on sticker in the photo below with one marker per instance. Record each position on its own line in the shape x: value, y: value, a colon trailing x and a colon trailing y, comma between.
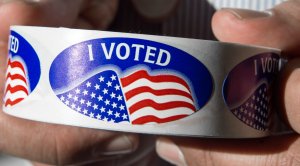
x: 247, y: 89
x: 130, y: 80
x: 23, y: 70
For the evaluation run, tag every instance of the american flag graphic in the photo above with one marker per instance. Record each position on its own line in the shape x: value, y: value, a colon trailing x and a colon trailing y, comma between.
x: 256, y: 109
x: 137, y: 98
x: 16, y: 87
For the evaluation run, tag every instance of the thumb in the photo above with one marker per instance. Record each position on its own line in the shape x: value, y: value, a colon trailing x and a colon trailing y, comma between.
x: 278, y: 27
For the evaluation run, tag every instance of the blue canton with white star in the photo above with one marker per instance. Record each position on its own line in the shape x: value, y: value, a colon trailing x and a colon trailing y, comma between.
x: 255, y: 111
x: 98, y: 97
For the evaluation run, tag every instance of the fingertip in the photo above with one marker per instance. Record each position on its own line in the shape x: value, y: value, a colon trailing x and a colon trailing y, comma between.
x: 16, y: 13
x: 134, y: 140
x: 228, y: 26
x: 291, y: 93
x: 221, y: 21
x: 246, y: 26
x: 117, y: 145
x: 169, y: 151
x: 37, y: 13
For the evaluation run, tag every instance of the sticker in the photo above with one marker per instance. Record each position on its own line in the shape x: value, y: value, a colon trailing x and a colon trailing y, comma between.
x: 128, y: 80
x: 23, y: 70
x: 247, y: 89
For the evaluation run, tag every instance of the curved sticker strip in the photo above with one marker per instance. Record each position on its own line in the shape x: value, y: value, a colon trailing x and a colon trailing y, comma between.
x: 141, y: 83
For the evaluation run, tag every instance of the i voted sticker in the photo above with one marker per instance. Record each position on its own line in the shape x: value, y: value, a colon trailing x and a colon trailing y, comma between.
x: 128, y: 80
x: 23, y: 70
x: 247, y: 89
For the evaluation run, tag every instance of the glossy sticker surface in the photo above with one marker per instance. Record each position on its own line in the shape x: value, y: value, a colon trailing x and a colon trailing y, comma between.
x: 128, y: 80
x: 247, y: 89
x: 23, y: 70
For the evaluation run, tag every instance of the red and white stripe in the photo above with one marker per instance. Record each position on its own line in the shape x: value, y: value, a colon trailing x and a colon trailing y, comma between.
x: 157, y: 98
x: 16, y: 88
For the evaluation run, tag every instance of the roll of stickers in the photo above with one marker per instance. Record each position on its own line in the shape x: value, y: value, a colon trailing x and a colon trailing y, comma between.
x: 141, y: 83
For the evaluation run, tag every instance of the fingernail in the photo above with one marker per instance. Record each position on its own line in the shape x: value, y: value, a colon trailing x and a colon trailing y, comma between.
x: 170, y: 152
x: 122, y: 144
x: 248, y: 14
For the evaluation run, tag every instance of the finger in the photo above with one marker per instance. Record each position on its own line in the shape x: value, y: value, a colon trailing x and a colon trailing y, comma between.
x: 289, y: 93
x: 278, y: 27
x: 143, y: 155
x: 267, y: 151
x: 42, y: 13
x: 98, y: 14
x: 57, y: 144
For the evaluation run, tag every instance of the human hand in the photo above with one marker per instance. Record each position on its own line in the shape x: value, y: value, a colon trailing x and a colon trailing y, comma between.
x: 56, y: 144
x: 279, y: 28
